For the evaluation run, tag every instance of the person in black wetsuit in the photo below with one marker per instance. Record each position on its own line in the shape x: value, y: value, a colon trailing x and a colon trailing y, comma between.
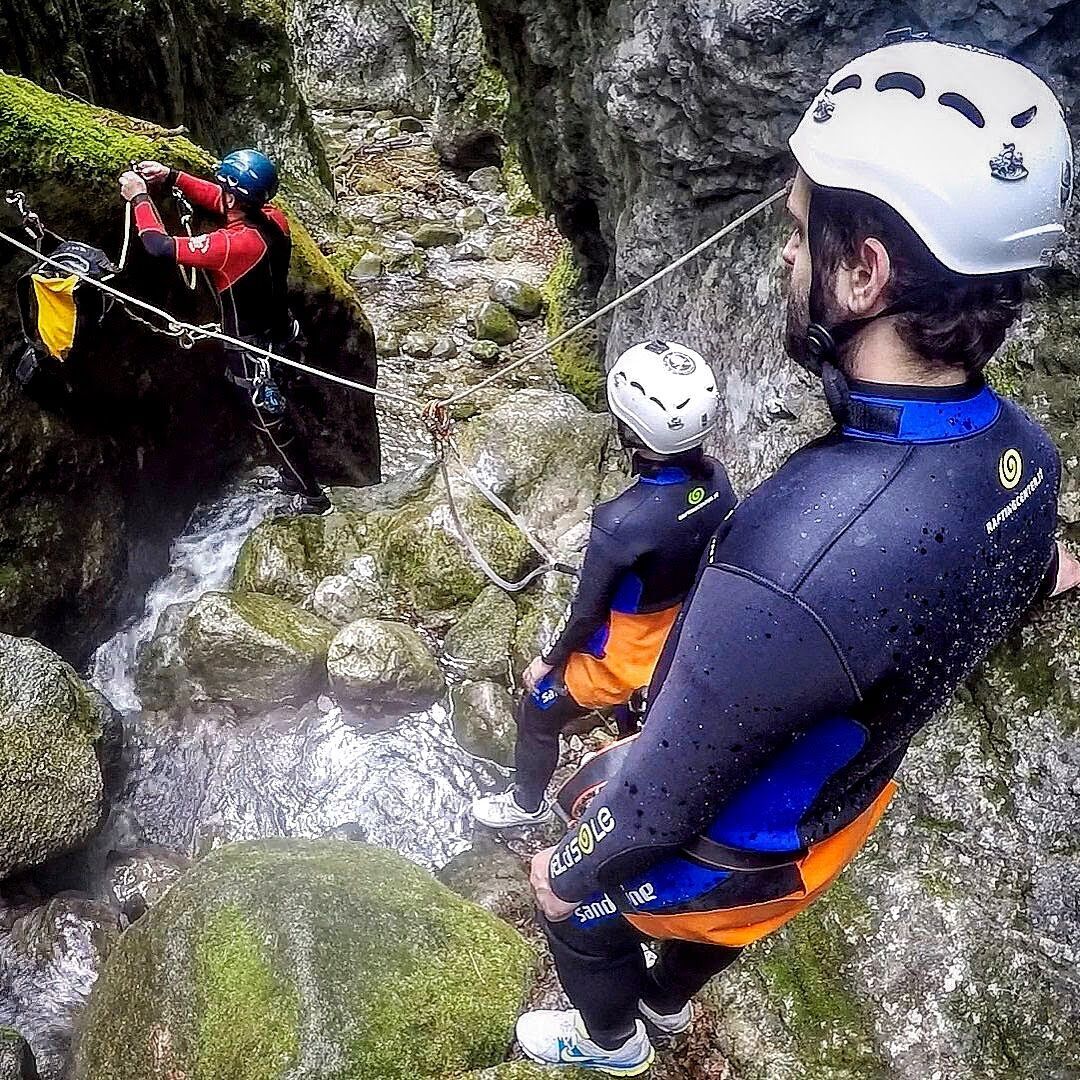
x: 247, y: 262
x: 842, y: 604
x: 643, y: 552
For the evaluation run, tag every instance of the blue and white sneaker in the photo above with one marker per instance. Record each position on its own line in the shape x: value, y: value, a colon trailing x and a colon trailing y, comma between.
x: 559, y: 1038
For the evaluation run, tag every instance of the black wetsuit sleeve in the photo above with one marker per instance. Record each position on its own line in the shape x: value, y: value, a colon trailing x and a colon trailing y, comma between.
x: 752, y: 668
x: 1049, y: 582
x: 607, y: 558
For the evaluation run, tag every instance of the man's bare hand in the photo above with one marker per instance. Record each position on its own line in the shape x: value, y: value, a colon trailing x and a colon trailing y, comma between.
x: 535, y: 673
x: 1068, y: 570
x: 153, y: 172
x: 554, y: 909
x: 131, y: 184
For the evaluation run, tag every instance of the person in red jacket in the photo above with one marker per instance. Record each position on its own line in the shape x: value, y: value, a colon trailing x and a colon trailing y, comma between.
x: 247, y: 262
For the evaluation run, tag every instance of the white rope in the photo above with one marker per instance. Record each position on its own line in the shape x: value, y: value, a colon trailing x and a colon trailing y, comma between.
x: 620, y: 300
x: 129, y: 217
x: 190, y: 333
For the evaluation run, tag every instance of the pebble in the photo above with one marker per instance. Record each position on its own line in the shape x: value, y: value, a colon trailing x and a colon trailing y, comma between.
x: 472, y: 217
x: 445, y: 349
x: 382, y: 134
x: 487, y: 352
x: 488, y: 179
x: 419, y: 344
x: 384, y: 115
x: 469, y: 251
x: 502, y: 249
x: 368, y: 266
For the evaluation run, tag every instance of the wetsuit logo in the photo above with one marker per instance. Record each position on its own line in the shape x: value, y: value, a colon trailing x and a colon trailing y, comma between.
x: 197, y: 244
x: 1010, y: 469
x: 695, y: 496
x: 679, y: 363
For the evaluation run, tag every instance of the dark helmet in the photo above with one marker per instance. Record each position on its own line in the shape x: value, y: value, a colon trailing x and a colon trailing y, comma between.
x: 249, y: 175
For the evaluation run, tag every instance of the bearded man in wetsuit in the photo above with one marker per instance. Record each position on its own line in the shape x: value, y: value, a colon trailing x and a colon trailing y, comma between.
x: 842, y: 603
x: 247, y: 262
x: 643, y: 552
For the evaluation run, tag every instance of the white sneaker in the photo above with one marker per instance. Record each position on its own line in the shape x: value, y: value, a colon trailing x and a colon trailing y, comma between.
x: 560, y: 1038
x: 503, y: 812
x: 667, y: 1024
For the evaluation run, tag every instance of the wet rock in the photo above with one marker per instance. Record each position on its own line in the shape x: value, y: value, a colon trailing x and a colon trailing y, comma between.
x: 139, y: 879
x: 250, y: 649
x: 470, y: 218
x: 419, y: 344
x: 479, y: 643
x: 493, y: 876
x: 520, y: 298
x: 468, y: 251
x: 16, y: 1060
x: 358, y: 593
x: 484, y: 721
x: 384, y: 115
x: 502, y: 248
x: 410, y: 125
x: 539, y: 451
x: 162, y: 679
x: 487, y: 180
x: 321, y: 955
x: 382, y: 666
x: 50, y: 957
x: 388, y: 345
x: 52, y: 729
x: 367, y: 268
x: 487, y: 352
x: 445, y: 349
x: 540, y: 611
x: 493, y: 322
x: 434, y: 234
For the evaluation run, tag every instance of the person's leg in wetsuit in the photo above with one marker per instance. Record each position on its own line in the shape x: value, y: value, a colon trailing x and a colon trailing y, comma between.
x: 273, y: 417
x: 536, y: 751
x: 603, y: 971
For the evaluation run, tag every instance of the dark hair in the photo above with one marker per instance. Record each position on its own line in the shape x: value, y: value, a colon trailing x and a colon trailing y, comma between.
x: 955, y: 321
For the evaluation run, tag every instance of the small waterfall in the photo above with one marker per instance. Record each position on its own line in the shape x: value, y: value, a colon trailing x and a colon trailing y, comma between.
x: 201, y: 559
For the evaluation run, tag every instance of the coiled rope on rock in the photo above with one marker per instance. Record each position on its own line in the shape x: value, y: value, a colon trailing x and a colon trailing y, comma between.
x: 434, y: 414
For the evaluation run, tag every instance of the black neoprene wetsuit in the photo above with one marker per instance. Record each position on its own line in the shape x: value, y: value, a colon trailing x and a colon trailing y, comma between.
x: 643, y: 553
x: 837, y: 609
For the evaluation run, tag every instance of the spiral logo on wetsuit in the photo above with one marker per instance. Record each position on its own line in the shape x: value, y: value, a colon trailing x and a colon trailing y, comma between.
x: 1010, y: 469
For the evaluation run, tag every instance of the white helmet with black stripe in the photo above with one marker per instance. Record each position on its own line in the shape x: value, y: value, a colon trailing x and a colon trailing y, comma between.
x: 665, y: 393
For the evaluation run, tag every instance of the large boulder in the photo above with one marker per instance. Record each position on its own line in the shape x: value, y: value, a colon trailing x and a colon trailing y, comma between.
x: 52, y: 791
x: 484, y: 721
x: 478, y: 644
x: 383, y: 667
x: 249, y: 649
x: 85, y: 526
x: 328, y: 959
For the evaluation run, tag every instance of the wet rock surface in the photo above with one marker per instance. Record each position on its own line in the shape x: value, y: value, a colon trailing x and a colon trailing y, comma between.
x: 52, y: 728
x: 478, y: 644
x: 324, y: 956
x: 484, y: 721
x: 16, y: 1059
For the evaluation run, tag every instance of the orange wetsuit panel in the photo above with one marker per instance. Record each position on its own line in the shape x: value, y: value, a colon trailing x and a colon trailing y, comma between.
x: 738, y: 926
x: 631, y: 653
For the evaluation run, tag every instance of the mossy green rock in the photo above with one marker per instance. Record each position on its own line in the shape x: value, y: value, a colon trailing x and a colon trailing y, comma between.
x: 479, y: 643
x: 484, y: 721
x: 493, y: 322
x: 518, y: 297
x: 322, y: 959
x: 16, y: 1061
x: 383, y: 667
x: 251, y: 649
x: 52, y: 794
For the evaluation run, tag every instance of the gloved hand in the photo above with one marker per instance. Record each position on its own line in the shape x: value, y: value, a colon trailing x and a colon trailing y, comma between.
x: 153, y: 172
x: 131, y: 184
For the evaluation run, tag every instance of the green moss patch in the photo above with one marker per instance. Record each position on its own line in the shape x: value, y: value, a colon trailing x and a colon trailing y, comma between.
x: 577, y: 360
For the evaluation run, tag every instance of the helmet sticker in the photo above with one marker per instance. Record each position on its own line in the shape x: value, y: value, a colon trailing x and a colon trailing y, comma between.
x: 1009, y: 164
x: 679, y: 363
x: 676, y: 423
x: 824, y: 108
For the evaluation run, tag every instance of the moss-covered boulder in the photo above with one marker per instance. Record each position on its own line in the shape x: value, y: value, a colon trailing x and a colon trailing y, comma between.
x: 358, y: 593
x: 493, y: 322
x: 330, y: 960
x: 478, y: 644
x: 383, y: 667
x: 484, y: 720
x: 16, y: 1060
x: 52, y: 791
x: 519, y: 297
x: 86, y: 462
x: 250, y: 649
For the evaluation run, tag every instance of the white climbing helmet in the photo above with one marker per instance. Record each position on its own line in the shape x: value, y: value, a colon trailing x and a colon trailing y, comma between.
x: 665, y: 394
x: 969, y: 147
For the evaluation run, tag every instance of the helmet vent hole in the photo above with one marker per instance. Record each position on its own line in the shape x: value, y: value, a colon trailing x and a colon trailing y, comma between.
x: 659, y: 402
x: 683, y: 404
x: 902, y: 80
x: 852, y: 82
x: 964, y: 107
x: 638, y: 386
x: 1021, y: 120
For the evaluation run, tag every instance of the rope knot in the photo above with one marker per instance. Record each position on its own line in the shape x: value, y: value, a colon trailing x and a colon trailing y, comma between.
x: 439, y: 422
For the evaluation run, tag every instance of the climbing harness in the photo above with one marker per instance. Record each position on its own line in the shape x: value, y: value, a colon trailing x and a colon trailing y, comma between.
x: 435, y: 415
